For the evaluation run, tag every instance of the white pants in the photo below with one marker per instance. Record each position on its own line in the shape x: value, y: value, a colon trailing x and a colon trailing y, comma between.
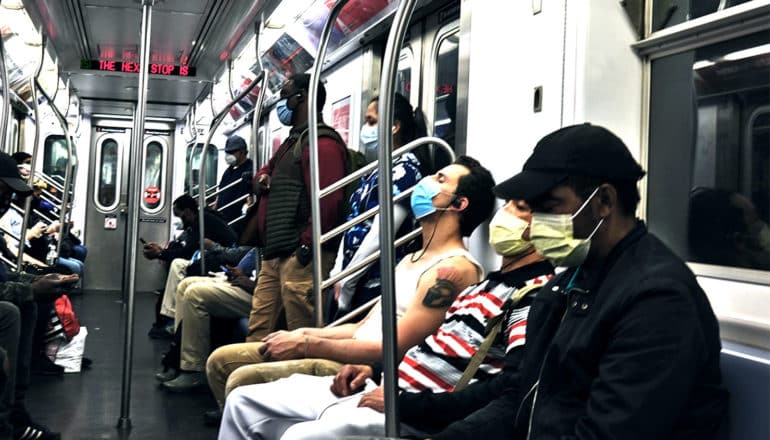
x: 176, y: 272
x: 298, y: 407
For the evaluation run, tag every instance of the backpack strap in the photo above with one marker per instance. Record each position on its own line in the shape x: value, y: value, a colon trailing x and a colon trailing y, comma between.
x: 323, y: 131
x: 494, y: 325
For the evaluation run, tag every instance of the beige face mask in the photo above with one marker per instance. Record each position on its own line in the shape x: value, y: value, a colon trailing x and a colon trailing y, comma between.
x: 506, y: 234
x: 554, y: 238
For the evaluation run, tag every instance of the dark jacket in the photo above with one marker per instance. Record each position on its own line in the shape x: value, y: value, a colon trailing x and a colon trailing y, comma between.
x: 214, y: 228
x: 628, y: 352
x: 231, y: 174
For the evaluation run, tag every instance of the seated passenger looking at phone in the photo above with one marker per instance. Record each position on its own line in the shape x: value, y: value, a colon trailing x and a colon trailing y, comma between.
x: 198, y: 299
x: 179, y: 252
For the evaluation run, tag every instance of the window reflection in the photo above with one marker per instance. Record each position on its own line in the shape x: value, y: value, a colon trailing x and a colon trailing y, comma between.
x: 107, y: 194
x: 710, y: 151
x: 667, y: 13
x: 55, y: 157
x: 404, y: 72
x: 211, y: 166
x: 445, y: 96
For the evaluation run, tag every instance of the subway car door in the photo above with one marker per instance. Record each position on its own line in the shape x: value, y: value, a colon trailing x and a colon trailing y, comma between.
x: 106, y: 210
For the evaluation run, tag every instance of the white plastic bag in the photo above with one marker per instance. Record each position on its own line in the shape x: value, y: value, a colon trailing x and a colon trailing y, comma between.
x: 70, y: 354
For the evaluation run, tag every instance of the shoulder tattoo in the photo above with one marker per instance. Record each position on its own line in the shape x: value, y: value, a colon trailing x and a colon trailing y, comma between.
x: 443, y: 292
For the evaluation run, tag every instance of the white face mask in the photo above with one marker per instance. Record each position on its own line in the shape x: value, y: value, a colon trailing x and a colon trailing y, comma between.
x: 554, y: 238
x: 230, y: 159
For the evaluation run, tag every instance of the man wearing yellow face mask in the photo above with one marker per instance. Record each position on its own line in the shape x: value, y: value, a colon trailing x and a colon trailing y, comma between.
x: 621, y: 345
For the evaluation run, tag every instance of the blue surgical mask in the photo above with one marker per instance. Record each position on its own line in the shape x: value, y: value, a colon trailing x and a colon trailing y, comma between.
x: 369, y: 137
x: 422, y: 198
x: 285, y: 114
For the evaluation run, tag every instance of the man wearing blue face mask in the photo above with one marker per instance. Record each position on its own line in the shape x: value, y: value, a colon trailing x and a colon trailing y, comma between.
x: 283, y: 225
x: 621, y: 345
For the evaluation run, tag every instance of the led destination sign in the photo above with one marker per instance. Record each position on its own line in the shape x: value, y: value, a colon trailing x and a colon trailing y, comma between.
x: 132, y: 67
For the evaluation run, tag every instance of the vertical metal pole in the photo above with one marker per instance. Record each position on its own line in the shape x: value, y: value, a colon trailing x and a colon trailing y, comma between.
x: 6, y: 98
x: 137, y: 141
x: 387, y: 256
x: 315, y: 188
x: 257, y: 115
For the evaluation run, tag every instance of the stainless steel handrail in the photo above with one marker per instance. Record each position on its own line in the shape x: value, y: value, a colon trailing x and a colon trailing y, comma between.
x: 257, y: 114
x: 217, y: 191
x: 33, y: 163
x: 49, y: 180
x: 371, y: 258
x: 312, y: 125
x: 350, y: 315
x: 201, y: 194
x: 229, y: 78
x: 385, y: 111
x: 239, y: 199
x: 137, y: 142
x: 6, y: 115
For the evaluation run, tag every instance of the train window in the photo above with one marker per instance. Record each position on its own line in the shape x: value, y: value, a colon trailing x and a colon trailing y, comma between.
x: 404, y: 72
x: 55, y: 157
x: 709, y: 151
x: 154, y: 172
x: 211, y: 166
x: 108, y: 174
x: 446, y: 86
x: 667, y: 13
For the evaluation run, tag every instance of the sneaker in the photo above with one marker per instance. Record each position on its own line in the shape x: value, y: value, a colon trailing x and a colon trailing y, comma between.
x: 167, y: 375
x: 186, y: 381
x: 212, y: 417
x: 26, y: 429
x: 43, y: 366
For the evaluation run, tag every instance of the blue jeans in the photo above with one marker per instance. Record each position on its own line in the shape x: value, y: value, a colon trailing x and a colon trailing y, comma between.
x: 74, y: 266
x: 79, y: 252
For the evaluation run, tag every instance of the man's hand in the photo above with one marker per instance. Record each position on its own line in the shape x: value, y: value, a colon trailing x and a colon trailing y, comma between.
x: 151, y: 250
x: 282, y: 346
x: 244, y: 282
x: 234, y: 272
x: 262, y: 184
x: 50, y: 286
x: 374, y: 399
x: 350, y: 379
x: 208, y: 244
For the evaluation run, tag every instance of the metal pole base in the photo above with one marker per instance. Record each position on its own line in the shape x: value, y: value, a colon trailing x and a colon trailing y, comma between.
x: 124, y: 424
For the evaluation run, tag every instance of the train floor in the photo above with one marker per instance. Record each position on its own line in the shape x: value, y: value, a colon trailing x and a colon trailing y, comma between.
x: 87, y: 405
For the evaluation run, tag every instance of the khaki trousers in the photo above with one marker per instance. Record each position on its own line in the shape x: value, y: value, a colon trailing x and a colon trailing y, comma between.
x: 197, y: 299
x: 285, y: 284
x: 235, y: 365
x: 176, y: 273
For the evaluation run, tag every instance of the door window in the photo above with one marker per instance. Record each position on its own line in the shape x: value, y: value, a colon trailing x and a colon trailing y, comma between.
x: 446, y: 86
x: 154, y: 173
x: 55, y: 157
x: 107, y: 174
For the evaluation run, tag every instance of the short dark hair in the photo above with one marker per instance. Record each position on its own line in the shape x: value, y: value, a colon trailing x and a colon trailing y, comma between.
x: 477, y: 188
x: 20, y: 157
x: 628, y: 193
x: 302, y: 82
x: 185, y: 201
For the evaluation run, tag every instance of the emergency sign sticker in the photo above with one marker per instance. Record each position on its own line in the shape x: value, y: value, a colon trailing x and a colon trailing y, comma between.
x: 151, y: 195
x: 110, y: 222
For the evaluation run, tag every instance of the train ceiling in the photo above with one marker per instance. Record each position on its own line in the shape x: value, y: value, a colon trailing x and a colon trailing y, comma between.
x: 200, y: 33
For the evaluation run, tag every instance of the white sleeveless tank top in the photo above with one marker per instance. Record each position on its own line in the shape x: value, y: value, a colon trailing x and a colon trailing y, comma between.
x: 406, y: 287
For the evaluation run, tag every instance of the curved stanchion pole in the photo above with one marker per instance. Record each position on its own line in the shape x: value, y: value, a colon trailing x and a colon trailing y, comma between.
x: 385, y: 188
x: 33, y: 164
x: 230, y: 78
x: 137, y: 141
x: 6, y: 115
x: 201, y: 178
x: 312, y: 125
x: 256, y: 116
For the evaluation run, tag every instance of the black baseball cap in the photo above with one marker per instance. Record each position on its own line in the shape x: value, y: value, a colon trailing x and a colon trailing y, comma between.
x: 235, y: 143
x: 578, y: 150
x: 9, y: 174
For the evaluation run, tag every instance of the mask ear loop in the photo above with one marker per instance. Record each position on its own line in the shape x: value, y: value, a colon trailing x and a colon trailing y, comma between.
x: 430, y: 240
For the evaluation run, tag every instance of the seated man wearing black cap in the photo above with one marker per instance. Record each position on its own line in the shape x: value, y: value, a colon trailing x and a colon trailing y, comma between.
x: 621, y: 345
x: 240, y: 169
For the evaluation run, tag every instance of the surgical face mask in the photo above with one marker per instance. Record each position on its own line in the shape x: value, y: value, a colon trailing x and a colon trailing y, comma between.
x: 422, y: 197
x: 506, y: 234
x: 553, y: 237
x: 285, y: 114
x: 369, y: 137
x: 230, y: 159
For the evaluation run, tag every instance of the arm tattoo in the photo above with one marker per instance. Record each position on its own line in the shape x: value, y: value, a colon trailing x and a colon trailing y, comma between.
x: 443, y: 292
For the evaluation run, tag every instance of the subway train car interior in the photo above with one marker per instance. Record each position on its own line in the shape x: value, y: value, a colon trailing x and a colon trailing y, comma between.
x: 149, y: 136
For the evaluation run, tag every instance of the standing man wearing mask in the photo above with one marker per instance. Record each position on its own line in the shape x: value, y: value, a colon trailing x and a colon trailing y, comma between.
x: 239, y: 169
x: 623, y: 344
x: 283, y: 228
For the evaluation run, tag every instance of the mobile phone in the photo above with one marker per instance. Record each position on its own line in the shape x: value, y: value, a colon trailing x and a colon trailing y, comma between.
x: 142, y: 240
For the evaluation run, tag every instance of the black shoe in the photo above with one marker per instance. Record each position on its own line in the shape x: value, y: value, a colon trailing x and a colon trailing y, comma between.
x: 159, y: 331
x: 25, y: 429
x: 212, y: 417
x: 43, y: 366
x: 86, y: 363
